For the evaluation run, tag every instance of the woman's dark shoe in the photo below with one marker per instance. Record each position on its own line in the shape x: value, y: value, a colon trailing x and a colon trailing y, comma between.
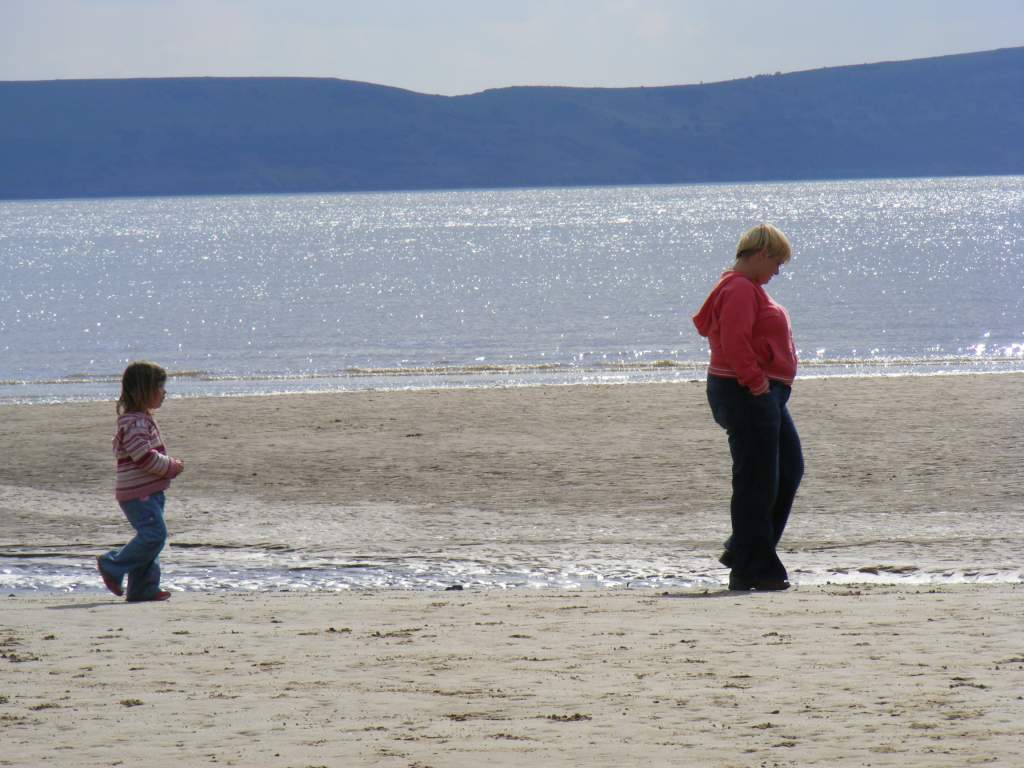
x: 114, y: 585
x: 727, y: 558
x: 157, y: 597
x: 761, y: 585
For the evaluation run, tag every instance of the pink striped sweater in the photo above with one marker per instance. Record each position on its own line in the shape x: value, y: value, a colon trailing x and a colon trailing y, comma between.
x: 143, y: 466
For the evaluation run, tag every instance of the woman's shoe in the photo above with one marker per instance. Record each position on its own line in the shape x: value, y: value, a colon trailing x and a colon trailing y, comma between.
x: 157, y: 597
x: 760, y: 585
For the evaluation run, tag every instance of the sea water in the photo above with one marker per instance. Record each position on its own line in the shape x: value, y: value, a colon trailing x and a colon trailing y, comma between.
x: 302, y: 293
x: 306, y: 293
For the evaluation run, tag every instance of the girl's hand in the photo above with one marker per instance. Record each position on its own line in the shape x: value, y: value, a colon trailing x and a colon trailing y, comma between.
x: 178, y: 467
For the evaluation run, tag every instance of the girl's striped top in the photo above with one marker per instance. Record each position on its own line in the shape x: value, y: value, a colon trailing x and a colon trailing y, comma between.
x: 143, y: 466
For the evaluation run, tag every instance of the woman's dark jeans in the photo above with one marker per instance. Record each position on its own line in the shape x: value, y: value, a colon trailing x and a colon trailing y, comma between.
x: 767, y: 466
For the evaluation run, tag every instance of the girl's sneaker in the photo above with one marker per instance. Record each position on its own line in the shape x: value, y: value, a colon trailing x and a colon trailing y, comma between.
x: 114, y: 585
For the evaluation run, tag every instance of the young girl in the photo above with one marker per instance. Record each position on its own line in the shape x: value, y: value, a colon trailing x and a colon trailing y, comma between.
x: 144, y: 471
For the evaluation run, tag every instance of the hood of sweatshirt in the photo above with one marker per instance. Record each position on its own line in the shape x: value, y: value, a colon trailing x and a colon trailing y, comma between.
x: 703, y: 319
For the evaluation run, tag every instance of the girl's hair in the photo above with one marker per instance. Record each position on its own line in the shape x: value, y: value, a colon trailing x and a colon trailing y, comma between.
x: 139, y: 385
x: 761, y: 237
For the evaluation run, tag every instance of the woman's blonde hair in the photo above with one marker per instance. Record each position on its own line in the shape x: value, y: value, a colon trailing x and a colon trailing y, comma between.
x: 139, y: 384
x: 761, y: 237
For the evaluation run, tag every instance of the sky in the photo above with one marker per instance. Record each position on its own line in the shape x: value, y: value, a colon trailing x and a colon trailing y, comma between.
x: 463, y: 46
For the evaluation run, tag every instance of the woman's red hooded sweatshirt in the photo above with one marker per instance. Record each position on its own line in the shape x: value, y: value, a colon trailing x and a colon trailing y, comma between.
x: 750, y: 335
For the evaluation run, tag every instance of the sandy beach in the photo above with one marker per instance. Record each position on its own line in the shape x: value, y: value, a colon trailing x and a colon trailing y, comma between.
x: 823, y: 675
x: 820, y: 677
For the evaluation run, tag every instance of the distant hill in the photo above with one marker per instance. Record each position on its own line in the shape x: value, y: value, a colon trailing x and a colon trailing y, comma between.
x: 953, y: 115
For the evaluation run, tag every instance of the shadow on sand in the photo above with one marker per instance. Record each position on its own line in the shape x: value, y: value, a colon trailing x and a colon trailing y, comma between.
x: 74, y: 606
x: 703, y: 595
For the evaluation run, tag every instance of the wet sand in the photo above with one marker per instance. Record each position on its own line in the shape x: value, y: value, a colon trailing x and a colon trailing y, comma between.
x: 874, y: 447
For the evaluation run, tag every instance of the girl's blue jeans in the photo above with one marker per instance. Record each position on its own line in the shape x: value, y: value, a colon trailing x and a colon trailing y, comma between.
x: 767, y: 466
x: 139, y: 558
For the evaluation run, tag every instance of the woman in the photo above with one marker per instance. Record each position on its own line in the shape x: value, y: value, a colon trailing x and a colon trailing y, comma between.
x: 753, y: 364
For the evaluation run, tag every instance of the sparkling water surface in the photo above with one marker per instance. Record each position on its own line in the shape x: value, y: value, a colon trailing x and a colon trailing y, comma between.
x: 250, y: 295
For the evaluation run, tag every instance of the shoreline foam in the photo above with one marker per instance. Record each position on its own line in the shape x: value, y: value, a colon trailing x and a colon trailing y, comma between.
x: 193, y: 384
